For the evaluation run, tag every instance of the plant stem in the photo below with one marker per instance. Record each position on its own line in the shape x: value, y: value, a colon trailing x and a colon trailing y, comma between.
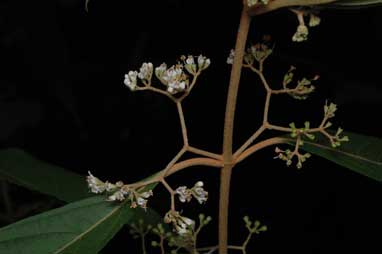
x: 182, y: 123
x: 143, y: 242
x: 225, y: 177
x: 204, y: 153
x: 262, y: 144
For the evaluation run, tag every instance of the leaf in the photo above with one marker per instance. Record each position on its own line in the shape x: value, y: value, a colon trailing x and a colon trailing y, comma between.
x: 362, y: 154
x: 355, y: 3
x: 20, y: 168
x: 81, y: 227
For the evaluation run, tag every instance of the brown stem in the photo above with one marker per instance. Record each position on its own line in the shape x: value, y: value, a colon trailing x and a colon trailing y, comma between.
x: 225, y: 177
x: 156, y: 90
x: 174, y: 160
x: 171, y: 191
x: 250, y: 141
x: 204, y: 153
x: 182, y: 123
x: 178, y: 167
x: 258, y: 146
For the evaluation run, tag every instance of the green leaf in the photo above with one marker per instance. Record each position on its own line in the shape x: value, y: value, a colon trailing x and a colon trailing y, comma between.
x: 81, y: 227
x: 20, y: 168
x: 362, y: 154
x: 353, y: 4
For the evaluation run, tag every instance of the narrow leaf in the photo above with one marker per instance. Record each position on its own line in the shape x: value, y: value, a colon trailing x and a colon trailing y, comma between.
x: 362, y: 154
x: 356, y: 3
x: 20, y: 168
x: 81, y: 227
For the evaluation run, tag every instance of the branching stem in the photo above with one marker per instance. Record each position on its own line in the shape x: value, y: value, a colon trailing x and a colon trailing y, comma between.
x: 225, y: 176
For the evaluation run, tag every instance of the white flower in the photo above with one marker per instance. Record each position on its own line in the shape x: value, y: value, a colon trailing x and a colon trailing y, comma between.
x: 174, y: 78
x: 182, y: 225
x: 109, y: 186
x: 146, y: 71
x: 314, y: 20
x: 203, y: 62
x: 199, y: 193
x: 139, y: 199
x: 301, y: 34
x: 118, y: 195
x: 190, y: 60
x: 190, y: 65
x: 131, y: 80
x: 159, y: 71
x: 95, y: 185
x: 184, y: 194
x: 231, y: 57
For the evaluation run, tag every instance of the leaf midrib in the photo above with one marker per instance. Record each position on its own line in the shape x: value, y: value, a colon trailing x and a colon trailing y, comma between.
x: 343, y: 152
x: 111, y: 213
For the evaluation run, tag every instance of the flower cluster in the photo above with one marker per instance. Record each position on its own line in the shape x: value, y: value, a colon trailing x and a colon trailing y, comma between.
x: 145, y: 73
x: 251, y: 3
x: 302, y: 31
x: 174, y: 78
x: 254, y: 227
x: 181, y: 224
x: 118, y: 191
x: 301, y: 131
x: 337, y: 138
x: 191, y: 66
x: 197, y: 192
x: 131, y: 80
x: 258, y: 52
x: 303, y: 88
x: 287, y: 156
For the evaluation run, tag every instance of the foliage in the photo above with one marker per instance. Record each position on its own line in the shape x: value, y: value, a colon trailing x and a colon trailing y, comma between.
x: 86, y: 224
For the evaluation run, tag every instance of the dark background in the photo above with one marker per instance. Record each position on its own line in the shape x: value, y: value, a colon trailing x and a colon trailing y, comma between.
x: 62, y: 99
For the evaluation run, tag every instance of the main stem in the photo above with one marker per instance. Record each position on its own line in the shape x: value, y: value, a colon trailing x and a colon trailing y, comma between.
x: 228, y: 161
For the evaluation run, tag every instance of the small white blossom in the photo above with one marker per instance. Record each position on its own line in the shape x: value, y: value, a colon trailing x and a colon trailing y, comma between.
x: 314, y: 20
x: 203, y: 62
x: 190, y: 65
x: 301, y: 34
x: 118, y: 195
x: 146, y: 71
x: 231, y: 57
x: 139, y: 199
x: 184, y: 194
x: 159, y: 71
x: 109, y: 186
x: 174, y: 78
x: 251, y: 3
x: 131, y: 80
x: 199, y: 193
x: 182, y: 225
x: 95, y: 185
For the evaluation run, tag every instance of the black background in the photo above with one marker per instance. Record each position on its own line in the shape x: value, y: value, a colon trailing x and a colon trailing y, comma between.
x: 63, y: 100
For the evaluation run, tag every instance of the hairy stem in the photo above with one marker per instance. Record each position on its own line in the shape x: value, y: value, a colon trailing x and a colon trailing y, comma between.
x: 225, y: 177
